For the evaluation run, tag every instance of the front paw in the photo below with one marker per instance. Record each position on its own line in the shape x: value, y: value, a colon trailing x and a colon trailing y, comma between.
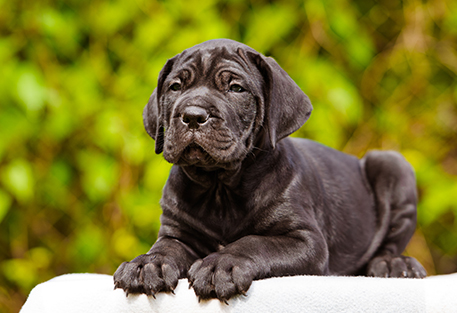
x: 221, y: 276
x: 147, y: 274
x: 395, y: 266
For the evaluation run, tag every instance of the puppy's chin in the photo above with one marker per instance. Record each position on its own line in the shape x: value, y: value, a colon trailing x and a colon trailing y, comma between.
x: 194, y: 154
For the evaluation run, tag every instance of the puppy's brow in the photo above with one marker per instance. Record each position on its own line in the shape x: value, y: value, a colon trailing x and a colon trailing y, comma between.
x: 186, y: 74
x: 243, y: 57
x: 206, y: 62
x: 188, y: 58
x: 203, y: 63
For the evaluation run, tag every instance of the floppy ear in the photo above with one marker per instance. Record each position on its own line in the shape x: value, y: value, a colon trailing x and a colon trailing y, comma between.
x: 153, y: 115
x: 153, y: 121
x: 287, y: 107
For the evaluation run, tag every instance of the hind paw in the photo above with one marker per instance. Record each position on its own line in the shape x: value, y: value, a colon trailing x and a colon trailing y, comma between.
x: 395, y: 266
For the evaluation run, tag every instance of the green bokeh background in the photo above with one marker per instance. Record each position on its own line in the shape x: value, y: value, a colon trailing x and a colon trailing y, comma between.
x: 79, y: 180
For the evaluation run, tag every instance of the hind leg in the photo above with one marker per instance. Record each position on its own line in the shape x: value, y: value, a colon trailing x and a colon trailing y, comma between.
x: 394, y: 184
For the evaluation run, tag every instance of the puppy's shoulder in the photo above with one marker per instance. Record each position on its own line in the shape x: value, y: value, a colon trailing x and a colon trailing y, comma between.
x: 305, y: 143
x: 322, y: 153
x: 309, y: 146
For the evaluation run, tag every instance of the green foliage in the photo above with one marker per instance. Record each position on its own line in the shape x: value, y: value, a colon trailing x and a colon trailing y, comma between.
x: 79, y: 181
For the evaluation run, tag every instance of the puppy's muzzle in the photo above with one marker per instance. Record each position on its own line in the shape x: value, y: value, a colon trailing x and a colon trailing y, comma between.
x: 194, y: 117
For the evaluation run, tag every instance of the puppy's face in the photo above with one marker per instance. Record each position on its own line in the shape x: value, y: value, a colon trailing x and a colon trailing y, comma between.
x: 211, y: 101
x: 215, y: 100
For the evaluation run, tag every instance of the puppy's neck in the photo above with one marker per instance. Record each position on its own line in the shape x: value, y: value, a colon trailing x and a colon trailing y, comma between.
x: 207, y: 177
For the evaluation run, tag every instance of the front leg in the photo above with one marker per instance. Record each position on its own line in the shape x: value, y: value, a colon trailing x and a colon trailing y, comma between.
x: 231, y: 271
x: 159, y: 270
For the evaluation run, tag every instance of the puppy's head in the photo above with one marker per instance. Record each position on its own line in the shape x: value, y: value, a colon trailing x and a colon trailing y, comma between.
x: 215, y: 101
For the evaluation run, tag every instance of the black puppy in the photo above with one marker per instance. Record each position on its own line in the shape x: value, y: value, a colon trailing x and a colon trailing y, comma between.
x: 244, y: 202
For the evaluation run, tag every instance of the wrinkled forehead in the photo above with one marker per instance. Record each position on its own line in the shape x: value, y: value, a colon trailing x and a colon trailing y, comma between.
x: 227, y: 44
x: 211, y: 55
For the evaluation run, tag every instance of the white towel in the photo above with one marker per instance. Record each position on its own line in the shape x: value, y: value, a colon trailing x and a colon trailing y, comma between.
x: 94, y: 293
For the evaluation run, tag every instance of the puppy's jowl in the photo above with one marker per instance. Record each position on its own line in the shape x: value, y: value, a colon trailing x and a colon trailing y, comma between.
x: 244, y: 201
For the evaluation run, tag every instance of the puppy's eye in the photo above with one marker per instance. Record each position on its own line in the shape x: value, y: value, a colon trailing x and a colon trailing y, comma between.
x: 236, y: 88
x: 175, y: 87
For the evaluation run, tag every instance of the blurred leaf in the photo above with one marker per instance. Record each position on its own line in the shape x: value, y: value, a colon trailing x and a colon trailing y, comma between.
x: 20, y: 271
x: 7, y: 49
x: 280, y: 20
x: 346, y: 103
x: 361, y: 50
x: 100, y: 174
x: 5, y: 202
x: 89, y: 244
x: 41, y: 257
x: 127, y: 245
x: 342, y: 22
x: 18, y: 178
x: 134, y: 149
x: 156, y: 174
x: 31, y: 90
x: 143, y: 209
x: 438, y: 199
x: 107, y: 17
x: 62, y: 30
x: 14, y: 131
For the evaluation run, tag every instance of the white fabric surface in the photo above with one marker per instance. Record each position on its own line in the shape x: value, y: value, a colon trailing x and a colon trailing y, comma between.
x: 94, y: 293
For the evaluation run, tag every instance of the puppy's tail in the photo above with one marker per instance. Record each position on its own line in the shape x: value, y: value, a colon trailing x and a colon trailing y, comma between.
x: 383, y: 218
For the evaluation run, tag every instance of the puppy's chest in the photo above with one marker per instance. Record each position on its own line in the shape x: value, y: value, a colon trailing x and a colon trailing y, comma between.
x: 224, y: 212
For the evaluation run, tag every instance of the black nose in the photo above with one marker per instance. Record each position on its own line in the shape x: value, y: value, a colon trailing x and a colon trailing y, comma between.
x: 194, y: 116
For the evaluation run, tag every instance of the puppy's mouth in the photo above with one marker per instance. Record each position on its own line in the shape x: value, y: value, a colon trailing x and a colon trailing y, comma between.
x: 194, y: 154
